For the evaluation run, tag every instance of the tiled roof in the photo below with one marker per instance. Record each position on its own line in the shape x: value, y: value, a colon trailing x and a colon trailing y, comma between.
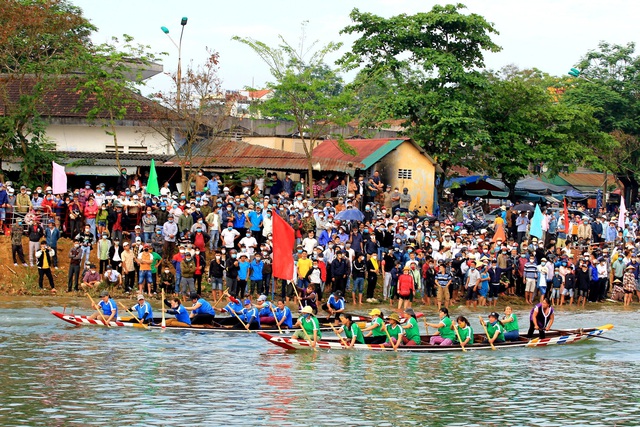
x: 237, y: 154
x: 61, y: 100
x: 257, y: 94
x: 587, y: 178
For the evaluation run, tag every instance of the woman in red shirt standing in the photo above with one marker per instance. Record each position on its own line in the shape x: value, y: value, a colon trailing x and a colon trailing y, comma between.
x: 406, y: 288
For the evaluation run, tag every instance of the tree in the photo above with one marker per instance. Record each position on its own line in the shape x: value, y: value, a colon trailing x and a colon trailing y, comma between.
x: 193, y: 120
x: 39, y: 40
x: 306, y: 91
x: 528, y: 125
x: 611, y: 84
x: 108, y: 85
x: 434, y: 59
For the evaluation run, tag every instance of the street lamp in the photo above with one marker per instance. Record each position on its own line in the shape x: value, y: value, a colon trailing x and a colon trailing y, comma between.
x: 574, y: 72
x: 165, y: 30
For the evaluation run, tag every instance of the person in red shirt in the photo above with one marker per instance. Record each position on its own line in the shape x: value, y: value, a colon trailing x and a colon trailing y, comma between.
x: 406, y: 288
x: 90, y: 212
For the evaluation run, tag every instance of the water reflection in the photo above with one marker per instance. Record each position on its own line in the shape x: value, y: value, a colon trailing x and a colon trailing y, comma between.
x: 58, y: 375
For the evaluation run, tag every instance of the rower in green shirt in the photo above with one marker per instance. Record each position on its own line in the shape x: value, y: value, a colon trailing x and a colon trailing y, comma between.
x: 510, y: 323
x: 465, y: 331
x: 351, y: 330
x: 495, y: 330
x: 376, y: 334
x: 445, y: 334
x: 395, y: 331
x: 411, y: 329
x: 310, y: 326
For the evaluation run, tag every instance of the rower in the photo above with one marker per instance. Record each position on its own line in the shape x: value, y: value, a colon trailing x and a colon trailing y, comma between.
x: 510, y: 323
x: 376, y: 334
x: 264, y: 310
x: 283, y: 315
x: 394, y: 330
x: 445, y: 334
x: 144, y: 310
x: 495, y: 330
x: 177, y: 309
x: 541, y: 318
x: 233, y: 306
x: 249, y: 316
x: 334, y: 305
x: 411, y: 329
x: 465, y: 331
x: 201, y: 311
x: 108, y: 306
x: 351, y: 330
x: 310, y: 326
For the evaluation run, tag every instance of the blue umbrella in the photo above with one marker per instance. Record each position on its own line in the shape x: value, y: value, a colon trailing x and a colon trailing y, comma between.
x: 350, y: 215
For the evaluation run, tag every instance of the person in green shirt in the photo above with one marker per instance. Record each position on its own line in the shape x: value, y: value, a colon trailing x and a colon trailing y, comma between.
x: 351, y: 330
x: 375, y: 333
x: 465, y: 331
x: 411, y: 329
x: 445, y: 334
x: 510, y: 323
x: 395, y: 331
x: 495, y: 329
x: 310, y: 326
x: 156, y: 260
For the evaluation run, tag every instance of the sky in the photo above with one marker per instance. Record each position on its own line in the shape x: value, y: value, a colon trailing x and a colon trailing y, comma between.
x: 551, y: 35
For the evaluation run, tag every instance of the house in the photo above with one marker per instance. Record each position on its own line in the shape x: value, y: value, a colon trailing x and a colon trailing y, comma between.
x: 400, y: 162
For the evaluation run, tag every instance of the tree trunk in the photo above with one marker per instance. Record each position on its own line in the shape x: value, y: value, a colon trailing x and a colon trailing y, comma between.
x: 115, y: 140
x: 630, y: 189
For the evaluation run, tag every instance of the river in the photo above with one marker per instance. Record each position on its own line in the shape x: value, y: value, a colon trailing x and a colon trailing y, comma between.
x: 56, y: 375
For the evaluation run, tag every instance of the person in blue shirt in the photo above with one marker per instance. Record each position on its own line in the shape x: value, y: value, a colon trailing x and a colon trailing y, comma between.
x: 213, y: 186
x: 255, y: 267
x: 108, y: 306
x: 334, y: 306
x: 256, y: 222
x: 283, y: 315
x: 243, y: 274
x: 233, y: 306
x: 178, y: 310
x: 144, y: 310
x: 249, y: 316
x: 264, y: 309
x: 202, y: 313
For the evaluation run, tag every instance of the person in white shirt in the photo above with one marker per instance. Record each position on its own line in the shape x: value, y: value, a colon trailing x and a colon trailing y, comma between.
x: 250, y: 243
x: 309, y: 242
x: 229, y: 236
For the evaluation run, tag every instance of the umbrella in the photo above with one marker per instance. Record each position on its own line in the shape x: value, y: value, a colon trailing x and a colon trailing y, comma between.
x: 523, y: 207
x: 350, y: 215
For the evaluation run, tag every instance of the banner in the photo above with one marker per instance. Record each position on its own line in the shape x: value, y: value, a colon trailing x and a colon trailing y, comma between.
x: 536, y: 223
x: 152, y: 183
x: 623, y: 213
x: 283, y: 242
x: 566, y: 218
x: 58, y: 179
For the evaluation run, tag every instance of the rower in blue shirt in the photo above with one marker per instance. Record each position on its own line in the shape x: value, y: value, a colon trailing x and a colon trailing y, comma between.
x: 144, y: 310
x: 249, y: 316
x: 283, y: 315
x: 202, y: 313
x: 233, y: 306
x: 108, y: 306
x: 334, y: 305
x: 181, y: 313
x: 264, y: 307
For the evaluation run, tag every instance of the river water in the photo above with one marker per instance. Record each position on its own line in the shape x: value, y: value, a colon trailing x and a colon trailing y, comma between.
x: 54, y: 374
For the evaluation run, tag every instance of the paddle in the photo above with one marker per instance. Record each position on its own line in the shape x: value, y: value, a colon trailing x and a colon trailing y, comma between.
x: 240, y: 320
x: 295, y: 289
x: 93, y: 304
x: 305, y: 332
x: 221, y: 296
x: 493, y: 347
x: 276, y: 317
x: 426, y: 325
x: 455, y: 328
x: 582, y: 332
x: 342, y: 341
x: 164, y: 322
x: 134, y: 316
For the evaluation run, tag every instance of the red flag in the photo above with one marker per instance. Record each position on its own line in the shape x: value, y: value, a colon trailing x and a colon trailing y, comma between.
x: 566, y: 217
x: 283, y: 241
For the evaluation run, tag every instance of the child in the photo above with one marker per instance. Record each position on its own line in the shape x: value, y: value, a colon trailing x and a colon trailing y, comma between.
x: 310, y: 298
x: 569, y: 285
x: 556, y: 282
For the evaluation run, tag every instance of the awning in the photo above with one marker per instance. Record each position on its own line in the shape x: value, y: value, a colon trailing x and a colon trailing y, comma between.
x: 95, y: 170
x: 463, y: 180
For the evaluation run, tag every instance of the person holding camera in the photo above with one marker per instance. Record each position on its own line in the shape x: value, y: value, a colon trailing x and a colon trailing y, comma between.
x: 44, y: 260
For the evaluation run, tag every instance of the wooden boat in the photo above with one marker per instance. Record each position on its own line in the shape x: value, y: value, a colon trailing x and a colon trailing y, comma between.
x: 223, y: 324
x: 552, y: 338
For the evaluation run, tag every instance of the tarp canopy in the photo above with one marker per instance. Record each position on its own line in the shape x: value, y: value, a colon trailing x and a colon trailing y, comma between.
x: 463, y: 180
x: 535, y: 185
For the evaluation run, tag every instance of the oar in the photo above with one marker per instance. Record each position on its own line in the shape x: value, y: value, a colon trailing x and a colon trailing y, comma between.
x: 134, y: 316
x: 93, y: 304
x: 164, y: 322
x: 426, y: 325
x: 240, y: 320
x: 493, y: 347
x: 305, y: 333
x: 275, y: 317
x: 221, y: 296
x: 295, y: 289
x: 455, y: 328
x: 339, y: 336
x: 594, y: 336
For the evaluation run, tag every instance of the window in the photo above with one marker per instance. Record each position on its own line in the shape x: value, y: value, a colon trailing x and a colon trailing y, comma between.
x: 405, y: 174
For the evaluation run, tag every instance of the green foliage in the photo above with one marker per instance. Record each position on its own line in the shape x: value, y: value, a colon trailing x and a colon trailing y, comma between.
x: 425, y: 67
x: 249, y: 173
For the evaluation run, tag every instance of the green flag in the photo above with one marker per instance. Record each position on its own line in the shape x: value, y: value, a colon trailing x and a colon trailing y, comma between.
x: 152, y: 184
